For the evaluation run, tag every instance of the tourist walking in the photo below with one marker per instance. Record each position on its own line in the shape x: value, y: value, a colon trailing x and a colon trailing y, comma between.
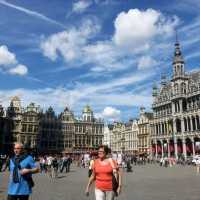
x: 105, y: 171
x: 22, y: 166
x: 198, y: 164
x: 68, y: 163
x: 49, y: 165
x: 64, y: 164
x: 54, y: 166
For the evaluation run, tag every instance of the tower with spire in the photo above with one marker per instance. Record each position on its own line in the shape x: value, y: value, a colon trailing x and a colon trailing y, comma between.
x: 178, y: 61
x: 87, y: 114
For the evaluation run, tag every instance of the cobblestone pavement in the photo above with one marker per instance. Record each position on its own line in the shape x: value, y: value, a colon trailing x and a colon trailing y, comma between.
x: 148, y: 182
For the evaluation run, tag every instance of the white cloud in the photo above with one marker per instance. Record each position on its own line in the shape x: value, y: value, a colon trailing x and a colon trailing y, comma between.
x: 20, y: 70
x: 9, y: 63
x: 6, y: 57
x: 69, y: 43
x: 104, y: 55
x: 111, y: 113
x: 81, y: 6
x: 146, y: 62
x: 137, y: 27
x: 135, y: 30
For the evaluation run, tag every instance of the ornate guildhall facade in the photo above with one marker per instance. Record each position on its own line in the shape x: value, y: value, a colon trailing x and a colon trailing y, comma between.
x: 46, y: 132
x: 175, y: 129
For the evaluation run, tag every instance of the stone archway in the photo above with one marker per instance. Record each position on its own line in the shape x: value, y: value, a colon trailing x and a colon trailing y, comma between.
x: 159, y: 148
x: 193, y: 123
x: 185, y: 124
x: 188, y: 143
x: 179, y: 147
x: 153, y: 148
x: 198, y: 122
x: 189, y: 124
x: 197, y: 145
x: 171, y: 147
x: 178, y: 125
x: 165, y: 148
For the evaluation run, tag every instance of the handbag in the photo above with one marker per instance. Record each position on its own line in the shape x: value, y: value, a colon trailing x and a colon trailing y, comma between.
x: 115, y: 184
x: 115, y: 179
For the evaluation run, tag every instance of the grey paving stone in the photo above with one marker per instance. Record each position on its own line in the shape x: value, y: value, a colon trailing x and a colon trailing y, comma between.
x: 149, y: 182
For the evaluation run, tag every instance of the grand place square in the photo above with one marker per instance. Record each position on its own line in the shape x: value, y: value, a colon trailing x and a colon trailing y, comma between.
x: 99, y: 99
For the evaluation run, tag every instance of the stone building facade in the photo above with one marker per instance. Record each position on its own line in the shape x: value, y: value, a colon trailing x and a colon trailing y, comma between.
x: 175, y: 129
x: 130, y: 132
x: 47, y: 132
x: 83, y: 134
x: 108, y: 135
x: 118, y: 138
x: 50, y: 138
x: 125, y: 137
x: 144, y: 131
x: 29, y: 126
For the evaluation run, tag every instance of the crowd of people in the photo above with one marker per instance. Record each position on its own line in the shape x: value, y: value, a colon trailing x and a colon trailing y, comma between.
x: 53, y: 164
x: 104, y: 168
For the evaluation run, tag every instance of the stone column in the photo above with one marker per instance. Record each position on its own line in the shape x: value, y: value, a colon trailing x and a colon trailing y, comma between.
x: 155, y: 129
x: 188, y: 125
x: 195, y: 119
x: 191, y: 125
x: 158, y: 128
x: 167, y: 127
x: 168, y: 149
x: 156, y: 150
x: 182, y: 126
x: 174, y: 126
x: 173, y: 107
x: 175, y: 148
x: 180, y: 105
x: 184, y: 148
x: 193, y: 148
x: 162, y: 148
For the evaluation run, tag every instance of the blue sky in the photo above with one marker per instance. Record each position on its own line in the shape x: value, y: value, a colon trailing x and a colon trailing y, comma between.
x: 105, y: 53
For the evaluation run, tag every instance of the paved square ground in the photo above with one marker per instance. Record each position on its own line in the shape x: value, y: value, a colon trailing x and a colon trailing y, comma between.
x: 149, y: 182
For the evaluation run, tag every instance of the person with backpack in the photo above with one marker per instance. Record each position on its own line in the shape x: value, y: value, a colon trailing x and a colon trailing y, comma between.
x: 22, y: 166
x: 107, y: 177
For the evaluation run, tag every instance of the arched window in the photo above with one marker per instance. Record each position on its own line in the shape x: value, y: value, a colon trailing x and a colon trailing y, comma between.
x: 185, y: 124
x: 176, y: 88
x: 198, y: 122
x: 193, y: 123
x: 178, y: 125
x: 183, y: 88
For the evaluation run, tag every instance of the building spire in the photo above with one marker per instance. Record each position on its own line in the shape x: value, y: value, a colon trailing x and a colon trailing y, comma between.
x: 176, y: 36
x: 177, y: 54
x: 178, y: 61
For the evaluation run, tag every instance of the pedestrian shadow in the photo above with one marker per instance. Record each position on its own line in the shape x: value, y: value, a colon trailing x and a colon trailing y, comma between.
x: 59, y: 177
x: 72, y: 171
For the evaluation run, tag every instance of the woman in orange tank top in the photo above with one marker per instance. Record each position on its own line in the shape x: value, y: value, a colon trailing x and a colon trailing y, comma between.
x: 103, y: 170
